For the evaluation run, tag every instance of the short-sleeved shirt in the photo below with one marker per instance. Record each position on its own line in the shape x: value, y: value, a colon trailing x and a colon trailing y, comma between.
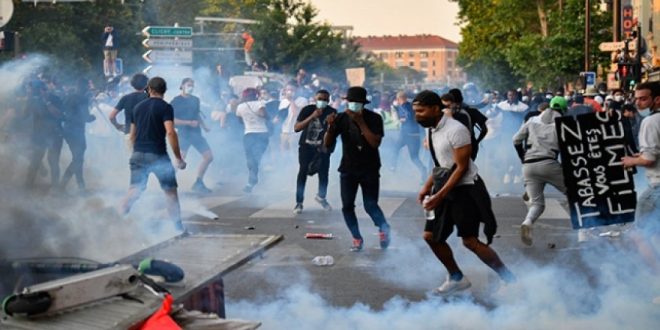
x: 649, y: 145
x: 127, y: 103
x: 358, y: 155
x: 448, y: 135
x: 409, y: 126
x: 186, y: 108
x: 149, y: 117
x: 289, y: 122
x: 253, y: 121
x: 312, y: 135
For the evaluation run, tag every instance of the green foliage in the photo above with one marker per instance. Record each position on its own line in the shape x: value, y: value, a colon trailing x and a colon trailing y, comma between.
x: 287, y: 38
x: 503, y: 45
x: 70, y: 33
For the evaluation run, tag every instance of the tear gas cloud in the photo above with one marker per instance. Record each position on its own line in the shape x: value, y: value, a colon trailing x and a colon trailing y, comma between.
x: 613, y: 293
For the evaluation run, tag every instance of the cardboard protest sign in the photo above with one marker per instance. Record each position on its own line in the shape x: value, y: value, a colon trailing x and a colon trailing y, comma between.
x: 599, y: 190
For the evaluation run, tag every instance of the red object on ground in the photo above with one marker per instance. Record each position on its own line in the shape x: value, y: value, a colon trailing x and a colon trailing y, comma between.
x: 161, y: 319
x: 318, y: 236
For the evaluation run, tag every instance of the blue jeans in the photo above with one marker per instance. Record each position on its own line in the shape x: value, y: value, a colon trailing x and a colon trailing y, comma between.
x: 255, y: 145
x: 369, y: 182
x: 144, y: 163
x: 647, y: 214
x: 305, y: 156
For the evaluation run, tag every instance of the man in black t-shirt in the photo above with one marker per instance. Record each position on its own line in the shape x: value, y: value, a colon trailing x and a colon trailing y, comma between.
x: 313, y: 157
x: 361, y: 132
x: 46, y: 111
x: 188, y: 122
x: 128, y: 102
x: 153, y: 120
x: 475, y: 119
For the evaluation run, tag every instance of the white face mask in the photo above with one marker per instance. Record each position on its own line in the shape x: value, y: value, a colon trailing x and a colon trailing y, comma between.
x: 188, y: 89
x: 354, y: 106
x: 321, y: 104
x: 644, y: 112
x: 618, y: 98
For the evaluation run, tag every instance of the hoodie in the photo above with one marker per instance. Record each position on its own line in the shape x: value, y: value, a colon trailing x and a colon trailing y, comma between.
x: 539, y: 136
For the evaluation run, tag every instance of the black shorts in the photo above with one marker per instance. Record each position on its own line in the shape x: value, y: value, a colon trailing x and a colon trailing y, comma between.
x: 459, y: 210
x: 196, y: 140
x: 144, y: 163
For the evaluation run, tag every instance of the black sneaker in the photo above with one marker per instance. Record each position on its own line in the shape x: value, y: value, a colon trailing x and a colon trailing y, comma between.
x: 324, y: 203
x: 298, y: 208
x: 199, y: 187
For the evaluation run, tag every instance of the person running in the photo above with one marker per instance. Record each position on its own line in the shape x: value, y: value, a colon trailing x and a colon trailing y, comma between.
x: 361, y: 132
x: 409, y: 135
x: 189, y: 125
x: 127, y: 103
x: 153, y: 121
x: 454, y: 195
x: 76, y: 116
x: 255, y: 139
x: 313, y: 156
x: 537, y: 146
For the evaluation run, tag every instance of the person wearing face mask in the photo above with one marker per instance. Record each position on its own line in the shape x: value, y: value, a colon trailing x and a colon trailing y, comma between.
x: 361, y: 132
x: 189, y: 124
x: 455, y: 194
x: 313, y: 156
x: 647, y: 215
x: 616, y: 103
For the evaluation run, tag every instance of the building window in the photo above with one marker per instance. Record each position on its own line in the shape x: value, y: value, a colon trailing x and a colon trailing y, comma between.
x: 424, y: 64
x: 398, y: 54
x: 424, y: 54
x: 411, y: 54
x: 433, y: 62
x: 434, y: 73
x: 398, y: 63
x: 383, y: 55
x: 411, y: 64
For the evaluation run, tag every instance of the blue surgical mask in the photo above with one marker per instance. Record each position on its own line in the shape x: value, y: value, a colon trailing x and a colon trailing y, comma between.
x: 321, y: 104
x: 644, y: 112
x: 354, y: 106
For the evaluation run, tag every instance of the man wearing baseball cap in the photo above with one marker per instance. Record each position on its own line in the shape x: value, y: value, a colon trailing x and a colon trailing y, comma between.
x: 456, y: 195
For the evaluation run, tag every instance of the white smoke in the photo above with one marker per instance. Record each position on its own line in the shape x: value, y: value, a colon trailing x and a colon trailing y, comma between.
x: 608, y: 296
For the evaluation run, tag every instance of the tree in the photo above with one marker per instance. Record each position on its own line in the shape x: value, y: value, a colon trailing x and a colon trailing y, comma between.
x: 70, y: 33
x: 287, y: 38
x: 508, y: 42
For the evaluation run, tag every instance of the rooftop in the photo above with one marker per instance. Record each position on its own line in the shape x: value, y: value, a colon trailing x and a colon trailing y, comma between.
x: 423, y: 41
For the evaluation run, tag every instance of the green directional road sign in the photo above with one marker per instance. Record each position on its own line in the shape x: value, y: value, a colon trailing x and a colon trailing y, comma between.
x: 167, y: 31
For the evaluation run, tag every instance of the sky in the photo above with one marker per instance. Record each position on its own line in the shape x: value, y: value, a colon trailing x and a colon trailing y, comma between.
x: 392, y: 17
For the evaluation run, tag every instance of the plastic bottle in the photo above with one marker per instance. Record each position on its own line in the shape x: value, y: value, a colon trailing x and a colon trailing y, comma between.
x: 323, y: 260
x: 430, y: 215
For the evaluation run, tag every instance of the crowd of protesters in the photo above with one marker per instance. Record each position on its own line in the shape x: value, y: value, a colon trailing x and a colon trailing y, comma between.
x: 504, y: 140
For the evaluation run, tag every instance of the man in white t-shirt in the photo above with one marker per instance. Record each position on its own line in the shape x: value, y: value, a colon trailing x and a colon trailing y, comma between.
x: 647, y: 215
x: 255, y: 140
x: 456, y: 195
x: 293, y: 104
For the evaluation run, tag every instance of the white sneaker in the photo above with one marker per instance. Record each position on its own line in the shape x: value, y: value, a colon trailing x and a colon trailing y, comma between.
x: 526, y: 234
x: 451, y: 286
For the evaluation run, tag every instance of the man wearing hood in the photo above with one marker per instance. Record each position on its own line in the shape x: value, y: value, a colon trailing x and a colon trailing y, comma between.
x: 537, y: 145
